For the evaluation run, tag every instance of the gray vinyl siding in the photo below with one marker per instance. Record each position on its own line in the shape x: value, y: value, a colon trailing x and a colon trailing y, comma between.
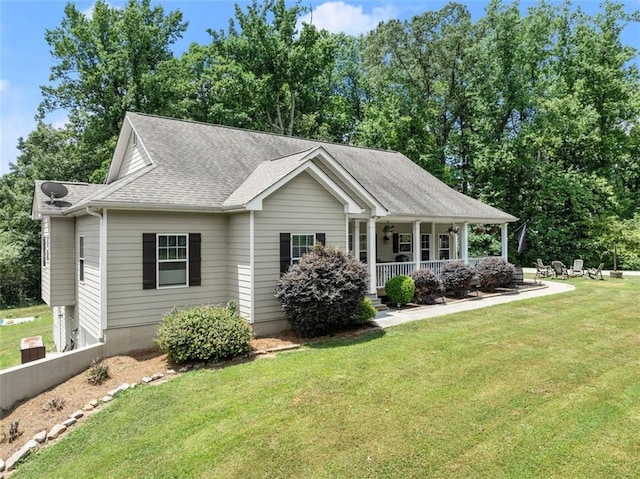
x: 239, y: 266
x: 134, y: 158
x: 88, y: 305
x: 127, y: 303
x: 302, y: 206
x: 58, y: 276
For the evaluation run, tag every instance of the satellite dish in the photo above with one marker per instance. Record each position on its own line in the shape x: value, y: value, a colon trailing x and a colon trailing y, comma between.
x: 54, y: 190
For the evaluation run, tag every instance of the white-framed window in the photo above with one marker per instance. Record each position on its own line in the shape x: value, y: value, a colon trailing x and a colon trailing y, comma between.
x: 173, y: 264
x: 81, y: 258
x: 363, y: 246
x: 134, y: 139
x: 405, y: 242
x: 424, y: 247
x: 300, y: 245
x: 444, y: 246
x: 45, y: 250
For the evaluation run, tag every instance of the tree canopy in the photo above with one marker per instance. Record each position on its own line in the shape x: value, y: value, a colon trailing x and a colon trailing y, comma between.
x: 536, y: 113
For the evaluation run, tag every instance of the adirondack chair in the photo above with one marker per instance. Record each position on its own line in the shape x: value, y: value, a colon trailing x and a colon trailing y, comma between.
x: 560, y: 269
x: 542, y: 269
x: 576, y: 269
x: 594, y: 272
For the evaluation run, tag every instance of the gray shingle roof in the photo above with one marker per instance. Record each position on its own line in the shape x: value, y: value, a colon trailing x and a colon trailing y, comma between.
x: 205, y: 166
x: 76, y: 193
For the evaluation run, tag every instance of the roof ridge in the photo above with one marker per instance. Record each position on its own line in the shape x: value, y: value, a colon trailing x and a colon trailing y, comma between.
x: 269, y: 133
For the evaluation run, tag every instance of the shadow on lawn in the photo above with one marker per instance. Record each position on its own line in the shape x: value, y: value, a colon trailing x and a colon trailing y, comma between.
x: 361, y: 335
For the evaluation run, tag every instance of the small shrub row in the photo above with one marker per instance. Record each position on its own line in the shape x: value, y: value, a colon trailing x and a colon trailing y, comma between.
x: 423, y: 285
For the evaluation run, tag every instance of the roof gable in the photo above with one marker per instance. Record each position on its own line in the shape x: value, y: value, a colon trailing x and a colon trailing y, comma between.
x: 271, y: 175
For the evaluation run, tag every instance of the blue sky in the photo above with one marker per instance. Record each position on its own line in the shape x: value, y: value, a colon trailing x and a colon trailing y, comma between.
x: 25, y: 61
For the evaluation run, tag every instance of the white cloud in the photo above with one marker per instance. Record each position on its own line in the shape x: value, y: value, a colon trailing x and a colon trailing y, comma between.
x: 4, y: 86
x: 350, y: 19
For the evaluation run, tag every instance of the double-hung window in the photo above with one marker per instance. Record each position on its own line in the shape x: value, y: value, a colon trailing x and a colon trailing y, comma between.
x: 444, y: 246
x: 45, y: 250
x: 81, y: 258
x: 424, y: 247
x: 301, y: 245
x: 172, y: 260
x: 405, y: 242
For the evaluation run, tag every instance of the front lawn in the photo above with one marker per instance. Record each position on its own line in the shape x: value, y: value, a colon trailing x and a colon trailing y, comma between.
x: 11, y: 335
x: 544, y: 388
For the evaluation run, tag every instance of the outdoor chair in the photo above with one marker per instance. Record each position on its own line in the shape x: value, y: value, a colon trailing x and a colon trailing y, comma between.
x: 576, y: 269
x: 594, y: 272
x: 542, y: 269
x: 559, y: 269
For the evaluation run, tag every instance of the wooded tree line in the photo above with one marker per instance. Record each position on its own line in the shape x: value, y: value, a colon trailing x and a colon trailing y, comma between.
x: 537, y: 114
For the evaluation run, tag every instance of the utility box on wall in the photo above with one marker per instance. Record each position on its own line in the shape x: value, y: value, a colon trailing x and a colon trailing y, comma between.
x: 32, y: 349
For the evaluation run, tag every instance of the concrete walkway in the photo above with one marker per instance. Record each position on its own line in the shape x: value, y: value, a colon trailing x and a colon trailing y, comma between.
x: 391, y: 317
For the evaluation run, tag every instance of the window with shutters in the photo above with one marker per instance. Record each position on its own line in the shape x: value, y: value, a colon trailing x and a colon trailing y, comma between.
x: 173, y: 265
x: 405, y: 242
x: 170, y: 260
x: 298, y: 245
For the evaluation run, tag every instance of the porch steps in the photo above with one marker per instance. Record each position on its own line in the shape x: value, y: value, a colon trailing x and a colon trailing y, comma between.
x: 377, y: 302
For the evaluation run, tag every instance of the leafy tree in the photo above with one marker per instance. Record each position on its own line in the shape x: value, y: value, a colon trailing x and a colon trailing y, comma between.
x: 280, y: 65
x: 417, y: 68
x: 105, y: 66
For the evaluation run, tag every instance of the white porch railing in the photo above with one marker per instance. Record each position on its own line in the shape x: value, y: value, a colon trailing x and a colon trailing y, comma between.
x: 386, y: 271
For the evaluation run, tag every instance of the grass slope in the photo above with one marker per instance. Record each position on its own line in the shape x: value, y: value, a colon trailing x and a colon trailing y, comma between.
x: 546, y: 387
x: 11, y: 335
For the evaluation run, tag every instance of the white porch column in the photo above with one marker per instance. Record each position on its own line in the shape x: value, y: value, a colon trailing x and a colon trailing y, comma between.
x: 371, y: 254
x: 464, y: 242
x: 356, y: 239
x: 505, y: 244
x: 433, y: 243
x: 416, y: 244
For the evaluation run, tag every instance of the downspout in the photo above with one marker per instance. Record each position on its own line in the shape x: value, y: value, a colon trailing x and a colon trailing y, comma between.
x: 103, y: 267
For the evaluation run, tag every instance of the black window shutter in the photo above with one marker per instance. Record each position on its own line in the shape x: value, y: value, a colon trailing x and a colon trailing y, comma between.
x: 148, y: 261
x: 396, y: 243
x: 321, y: 238
x: 194, y: 259
x: 285, y: 252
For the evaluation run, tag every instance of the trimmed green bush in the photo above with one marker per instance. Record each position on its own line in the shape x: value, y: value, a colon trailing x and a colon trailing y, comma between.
x: 427, y: 286
x: 400, y: 290
x: 366, y: 311
x: 456, y: 277
x: 494, y: 273
x: 321, y: 293
x: 203, y: 333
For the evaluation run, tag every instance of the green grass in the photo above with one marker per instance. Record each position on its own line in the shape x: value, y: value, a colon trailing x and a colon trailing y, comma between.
x: 544, y: 388
x: 11, y: 335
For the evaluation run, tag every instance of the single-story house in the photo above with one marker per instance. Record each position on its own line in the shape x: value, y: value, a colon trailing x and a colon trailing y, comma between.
x: 195, y: 213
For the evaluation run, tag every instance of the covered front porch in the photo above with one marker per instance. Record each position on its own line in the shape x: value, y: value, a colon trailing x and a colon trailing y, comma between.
x: 395, y: 246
